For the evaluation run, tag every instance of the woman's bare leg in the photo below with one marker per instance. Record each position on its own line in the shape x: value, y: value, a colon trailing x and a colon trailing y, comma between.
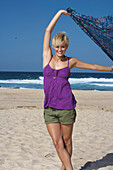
x: 67, y: 138
x: 54, y: 130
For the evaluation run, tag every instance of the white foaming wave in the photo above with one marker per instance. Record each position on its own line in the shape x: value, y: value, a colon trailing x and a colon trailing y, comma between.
x: 105, y: 85
x: 89, y: 80
x: 24, y: 81
x: 41, y: 77
x: 71, y: 80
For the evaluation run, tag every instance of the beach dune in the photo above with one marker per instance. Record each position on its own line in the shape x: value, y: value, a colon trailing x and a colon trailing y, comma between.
x: 26, y: 145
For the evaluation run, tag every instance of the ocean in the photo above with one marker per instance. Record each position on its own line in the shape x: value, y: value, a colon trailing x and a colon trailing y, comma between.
x: 78, y: 81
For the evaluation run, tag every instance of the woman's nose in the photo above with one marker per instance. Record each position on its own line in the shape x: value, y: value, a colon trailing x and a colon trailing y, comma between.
x: 59, y: 49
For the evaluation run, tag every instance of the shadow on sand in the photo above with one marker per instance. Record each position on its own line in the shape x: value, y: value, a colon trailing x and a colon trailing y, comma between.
x: 104, y: 162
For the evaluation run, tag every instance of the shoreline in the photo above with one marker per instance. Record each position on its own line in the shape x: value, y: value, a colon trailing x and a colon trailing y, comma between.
x: 43, y: 89
x: 11, y: 98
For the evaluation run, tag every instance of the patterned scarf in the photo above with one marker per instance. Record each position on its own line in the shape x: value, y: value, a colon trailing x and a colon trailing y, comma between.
x: 100, y: 30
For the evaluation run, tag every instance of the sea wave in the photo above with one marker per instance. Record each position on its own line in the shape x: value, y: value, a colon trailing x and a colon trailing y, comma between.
x: 25, y: 81
x: 89, y: 80
x: 103, y: 85
x: 71, y: 80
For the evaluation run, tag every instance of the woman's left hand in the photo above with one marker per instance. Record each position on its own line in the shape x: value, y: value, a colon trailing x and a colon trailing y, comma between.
x: 111, y: 69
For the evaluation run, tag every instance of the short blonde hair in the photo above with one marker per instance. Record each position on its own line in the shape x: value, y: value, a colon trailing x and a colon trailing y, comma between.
x: 59, y: 38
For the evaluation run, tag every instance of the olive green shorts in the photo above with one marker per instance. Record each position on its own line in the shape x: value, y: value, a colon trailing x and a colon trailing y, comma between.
x: 52, y: 115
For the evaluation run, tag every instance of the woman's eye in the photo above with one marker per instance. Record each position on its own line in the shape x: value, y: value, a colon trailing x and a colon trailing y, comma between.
x: 60, y: 46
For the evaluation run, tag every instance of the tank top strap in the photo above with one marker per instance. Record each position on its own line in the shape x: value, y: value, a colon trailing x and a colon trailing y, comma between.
x: 68, y: 61
x: 50, y: 59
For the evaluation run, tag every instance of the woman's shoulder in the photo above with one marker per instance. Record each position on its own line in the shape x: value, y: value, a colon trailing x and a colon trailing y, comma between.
x: 72, y: 61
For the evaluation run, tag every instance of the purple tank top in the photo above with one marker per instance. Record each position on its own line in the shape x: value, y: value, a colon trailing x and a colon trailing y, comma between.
x: 57, y: 89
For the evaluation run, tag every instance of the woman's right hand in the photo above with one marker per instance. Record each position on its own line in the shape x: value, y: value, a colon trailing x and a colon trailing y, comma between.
x: 65, y: 12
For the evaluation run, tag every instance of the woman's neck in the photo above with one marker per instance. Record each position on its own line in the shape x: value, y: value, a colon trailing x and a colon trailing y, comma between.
x: 59, y: 58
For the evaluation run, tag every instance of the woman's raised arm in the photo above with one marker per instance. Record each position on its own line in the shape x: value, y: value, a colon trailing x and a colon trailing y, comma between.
x: 49, y: 29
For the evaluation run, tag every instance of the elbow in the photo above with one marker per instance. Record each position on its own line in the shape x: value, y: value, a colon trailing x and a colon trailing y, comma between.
x: 94, y: 67
x: 48, y: 30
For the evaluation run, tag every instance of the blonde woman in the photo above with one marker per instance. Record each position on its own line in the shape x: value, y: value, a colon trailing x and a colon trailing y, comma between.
x: 60, y: 103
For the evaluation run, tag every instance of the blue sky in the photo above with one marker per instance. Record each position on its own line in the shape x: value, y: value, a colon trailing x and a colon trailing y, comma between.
x: 23, y: 24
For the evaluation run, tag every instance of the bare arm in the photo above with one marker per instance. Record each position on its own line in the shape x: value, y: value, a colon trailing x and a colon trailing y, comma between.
x: 49, y: 29
x: 79, y: 64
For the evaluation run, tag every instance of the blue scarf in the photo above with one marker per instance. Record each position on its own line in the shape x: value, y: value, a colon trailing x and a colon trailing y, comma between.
x: 100, y: 30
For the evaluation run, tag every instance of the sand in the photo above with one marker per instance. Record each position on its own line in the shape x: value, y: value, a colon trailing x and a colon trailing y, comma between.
x: 26, y: 145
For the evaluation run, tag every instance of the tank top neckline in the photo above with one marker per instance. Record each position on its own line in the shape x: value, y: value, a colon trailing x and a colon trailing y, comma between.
x: 57, y: 69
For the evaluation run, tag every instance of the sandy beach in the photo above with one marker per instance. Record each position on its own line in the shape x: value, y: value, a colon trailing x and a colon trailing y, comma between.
x: 26, y: 145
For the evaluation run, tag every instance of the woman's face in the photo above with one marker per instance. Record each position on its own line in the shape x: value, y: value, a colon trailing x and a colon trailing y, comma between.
x: 60, y: 49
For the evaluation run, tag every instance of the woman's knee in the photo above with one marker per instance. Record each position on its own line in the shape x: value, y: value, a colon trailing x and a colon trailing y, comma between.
x: 67, y: 141
x: 58, y: 143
